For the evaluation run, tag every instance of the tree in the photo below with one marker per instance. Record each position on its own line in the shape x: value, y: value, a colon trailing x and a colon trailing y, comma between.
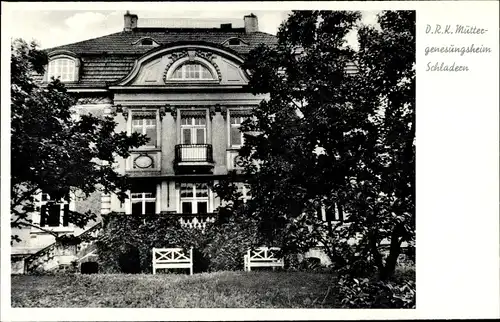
x: 52, y: 151
x: 330, y: 139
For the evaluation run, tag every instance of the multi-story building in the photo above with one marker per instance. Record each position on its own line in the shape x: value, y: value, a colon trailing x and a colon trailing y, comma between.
x: 185, y: 89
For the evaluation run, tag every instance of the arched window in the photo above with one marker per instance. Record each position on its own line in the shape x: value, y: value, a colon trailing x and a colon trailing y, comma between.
x: 62, y: 68
x: 192, y: 71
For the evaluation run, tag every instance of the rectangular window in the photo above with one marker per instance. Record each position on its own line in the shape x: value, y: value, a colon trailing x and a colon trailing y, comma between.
x: 187, y: 207
x: 53, y: 213
x: 331, y: 213
x: 145, y: 123
x: 194, y: 198
x: 202, y: 207
x: 186, y: 136
x: 143, y: 200
x: 235, y: 135
x: 193, y: 130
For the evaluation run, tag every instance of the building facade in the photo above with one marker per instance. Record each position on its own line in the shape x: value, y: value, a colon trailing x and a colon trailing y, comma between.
x: 185, y: 89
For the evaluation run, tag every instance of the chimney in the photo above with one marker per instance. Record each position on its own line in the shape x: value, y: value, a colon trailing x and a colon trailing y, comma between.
x: 226, y: 26
x: 251, y: 23
x: 130, y: 21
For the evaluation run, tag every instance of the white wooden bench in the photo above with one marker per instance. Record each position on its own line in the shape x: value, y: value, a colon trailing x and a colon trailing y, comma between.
x: 262, y: 257
x: 172, y: 258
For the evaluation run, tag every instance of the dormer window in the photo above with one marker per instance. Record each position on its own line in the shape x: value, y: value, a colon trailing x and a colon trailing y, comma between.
x: 234, y: 41
x: 147, y: 42
x: 192, y: 71
x: 62, y: 68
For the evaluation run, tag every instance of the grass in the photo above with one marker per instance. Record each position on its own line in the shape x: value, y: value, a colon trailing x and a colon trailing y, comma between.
x: 207, y: 290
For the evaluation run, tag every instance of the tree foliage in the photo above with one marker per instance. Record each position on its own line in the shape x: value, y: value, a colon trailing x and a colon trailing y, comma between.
x: 330, y: 139
x: 53, y: 151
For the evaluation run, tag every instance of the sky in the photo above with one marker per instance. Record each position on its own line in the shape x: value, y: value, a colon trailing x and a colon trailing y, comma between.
x: 60, y: 27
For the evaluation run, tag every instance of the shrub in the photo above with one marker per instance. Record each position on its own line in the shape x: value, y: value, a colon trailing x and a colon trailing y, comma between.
x: 404, y: 273
x: 129, y: 259
x: 369, y: 293
x: 126, y: 243
x: 228, y: 242
x: 293, y: 261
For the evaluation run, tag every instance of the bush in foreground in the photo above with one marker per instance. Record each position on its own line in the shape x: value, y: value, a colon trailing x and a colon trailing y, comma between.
x: 399, y: 292
x: 126, y: 243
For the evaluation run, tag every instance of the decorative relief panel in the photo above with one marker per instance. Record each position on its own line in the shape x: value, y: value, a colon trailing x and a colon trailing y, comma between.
x: 143, y: 161
x: 192, y: 54
x: 190, y: 110
x: 94, y: 100
x: 212, y: 59
x: 173, y: 57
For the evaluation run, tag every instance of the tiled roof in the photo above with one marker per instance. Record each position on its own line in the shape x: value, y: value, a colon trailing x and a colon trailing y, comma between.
x: 122, y: 42
x: 105, y: 69
x: 110, y: 58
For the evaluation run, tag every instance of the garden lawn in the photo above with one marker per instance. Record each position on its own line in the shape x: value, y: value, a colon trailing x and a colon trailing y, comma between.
x: 223, y: 289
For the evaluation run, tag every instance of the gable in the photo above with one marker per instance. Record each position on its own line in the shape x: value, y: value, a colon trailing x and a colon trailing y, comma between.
x: 167, y: 67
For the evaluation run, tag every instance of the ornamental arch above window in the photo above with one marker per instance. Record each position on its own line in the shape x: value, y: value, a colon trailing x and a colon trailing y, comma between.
x: 63, y: 68
x: 192, y: 68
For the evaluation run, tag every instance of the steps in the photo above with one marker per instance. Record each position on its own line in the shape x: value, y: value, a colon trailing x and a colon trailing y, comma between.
x: 58, y: 256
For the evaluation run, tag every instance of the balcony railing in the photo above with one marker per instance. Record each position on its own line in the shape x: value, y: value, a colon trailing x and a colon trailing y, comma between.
x: 193, y: 153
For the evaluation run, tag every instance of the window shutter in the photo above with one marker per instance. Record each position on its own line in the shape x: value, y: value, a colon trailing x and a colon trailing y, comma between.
x: 43, y: 215
x: 66, y: 215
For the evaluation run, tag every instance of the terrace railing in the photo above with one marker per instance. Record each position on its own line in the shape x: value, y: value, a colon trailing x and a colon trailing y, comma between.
x: 197, y: 221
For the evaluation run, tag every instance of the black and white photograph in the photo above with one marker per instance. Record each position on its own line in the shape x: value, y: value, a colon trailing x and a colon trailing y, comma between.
x: 213, y: 159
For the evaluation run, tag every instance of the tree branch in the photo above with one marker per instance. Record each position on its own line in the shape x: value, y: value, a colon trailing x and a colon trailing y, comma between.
x: 374, y: 250
x: 43, y: 229
x: 22, y: 196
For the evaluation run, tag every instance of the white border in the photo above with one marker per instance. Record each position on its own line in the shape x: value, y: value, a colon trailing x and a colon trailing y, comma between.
x: 457, y: 176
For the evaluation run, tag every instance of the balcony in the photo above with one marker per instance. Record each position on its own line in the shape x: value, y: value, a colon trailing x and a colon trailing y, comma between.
x: 193, y: 156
